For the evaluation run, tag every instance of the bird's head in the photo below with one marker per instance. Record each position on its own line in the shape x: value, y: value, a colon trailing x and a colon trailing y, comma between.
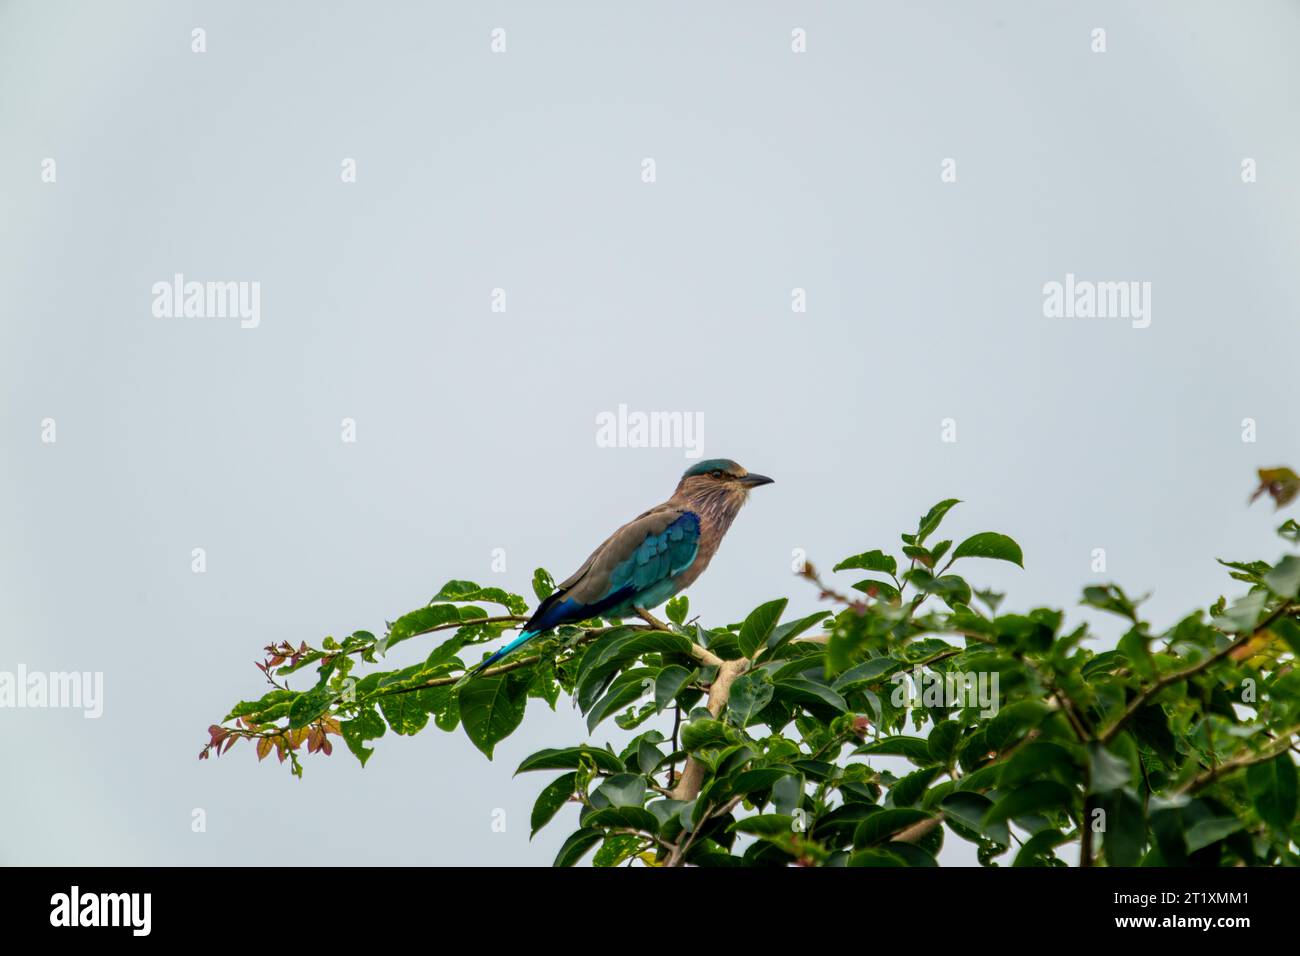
x: 719, y: 478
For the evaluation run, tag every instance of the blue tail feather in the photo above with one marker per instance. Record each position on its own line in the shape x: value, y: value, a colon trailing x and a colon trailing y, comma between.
x: 523, y: 638
x: 551, y: 613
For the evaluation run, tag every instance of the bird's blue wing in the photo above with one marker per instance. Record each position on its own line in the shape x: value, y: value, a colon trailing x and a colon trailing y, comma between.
x: 658, y: 557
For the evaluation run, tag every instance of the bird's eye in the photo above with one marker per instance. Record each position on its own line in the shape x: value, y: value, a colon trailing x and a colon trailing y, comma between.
x: 716, y: 474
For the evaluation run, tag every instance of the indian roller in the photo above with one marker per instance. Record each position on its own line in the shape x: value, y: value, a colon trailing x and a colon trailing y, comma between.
x: 652, y: 557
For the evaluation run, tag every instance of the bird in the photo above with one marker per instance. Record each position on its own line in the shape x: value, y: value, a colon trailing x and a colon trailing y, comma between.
x: 654, y: 556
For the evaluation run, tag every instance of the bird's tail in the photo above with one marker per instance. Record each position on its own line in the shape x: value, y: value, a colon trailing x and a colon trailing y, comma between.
x: 523, y: 638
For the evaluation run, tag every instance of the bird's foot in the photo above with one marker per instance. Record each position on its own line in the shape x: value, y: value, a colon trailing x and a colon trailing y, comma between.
x: 654, y: 622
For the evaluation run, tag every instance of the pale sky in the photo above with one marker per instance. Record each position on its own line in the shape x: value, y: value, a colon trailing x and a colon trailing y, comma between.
x: 476, y: 429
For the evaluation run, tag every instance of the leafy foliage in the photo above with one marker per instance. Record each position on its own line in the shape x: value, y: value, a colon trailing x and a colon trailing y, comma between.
x: 917, y: 713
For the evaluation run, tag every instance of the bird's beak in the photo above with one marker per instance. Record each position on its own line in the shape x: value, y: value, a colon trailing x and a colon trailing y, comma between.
x: 753, y: 481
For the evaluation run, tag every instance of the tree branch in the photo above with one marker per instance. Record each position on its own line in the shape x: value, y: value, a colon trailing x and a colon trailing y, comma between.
x: 1281, y: 744
x: 1178, y: 676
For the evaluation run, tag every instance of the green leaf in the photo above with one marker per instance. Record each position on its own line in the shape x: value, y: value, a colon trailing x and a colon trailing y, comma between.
x: 1125, y: 832
x: 617, y: 848
x: 306, y: 707
x: 915, y: 749
x: 1243, y: 615
x: 872, y: 671
x: 765, y: 824
x: 635, y: 817
x: 880, y: 826
x: 422, y: 620
x: 669, y: 684
x: 749, y: 694
x: 677, y: 609
x: 760, y: 778
x: 1013, y: 721
x: 492, y: 707
x: 1211, y: 830
x: 933, y: 517
x: 404, y: 712
x: 880, y: 590
x: 551, y: 799
x: 253, y: 709
x: 1029, y: 799
x: 759, y: 625
x: 565, y: 758
x: 802, y: 689
x: 990, y: 544
x: 1039, y: 758
x: 648, y: 756
x: 787, y: 793
x: 869, y: 561
x: 1289, y: 631
x: 952, y: 589
x: 623, y: 790
x: 791, y: 629
x: 628, y: 687
x: 1108, y: 771
x: 467, y: 591
x: 543, y: 584
x: 577, y: 845
x: 1272, y: 786
x: 875, y: 857
x: 443, y: 655
x: 1039, y: 847
x: 366, y: 725
x: 972, y: 809
x: 652, y: 642
x: 706, y: 732
x: 910, y: 788
x: 1110, y: 597
x: 944, y: 739
x: 1134, y: 647
x: 1284, y: 579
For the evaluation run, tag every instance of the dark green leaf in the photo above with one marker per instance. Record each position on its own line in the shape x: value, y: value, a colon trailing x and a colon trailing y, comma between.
x: 1031, y: 798
x: 1211, y: 830
x: 577, y: 845
x: 759, y: 625
x: 881, y: 826
x: 669, y: 684
x: 492, y: 707
x: 932, y: 519
x: 366, y: 725
x: 551, y: 799
x: 543, y: 584
x: 749, y: 694
x: 566, y: 758
x: 792, y: 629
x: 869, y: 561
x: 990, y: 544
x: 678, y: 608
x: 1284, y: 579
x: 465, y: 591
x: 1272, y: 788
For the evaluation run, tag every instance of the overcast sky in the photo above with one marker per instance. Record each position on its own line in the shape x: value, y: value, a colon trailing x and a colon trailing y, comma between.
x: 475, y: 429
